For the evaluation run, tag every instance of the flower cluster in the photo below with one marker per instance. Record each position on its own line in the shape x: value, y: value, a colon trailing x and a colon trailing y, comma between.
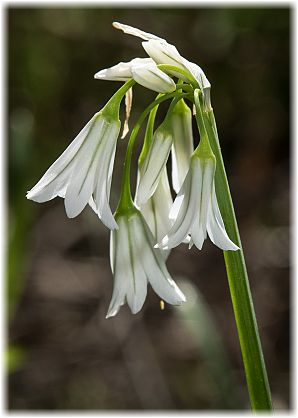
x: 146, y: 228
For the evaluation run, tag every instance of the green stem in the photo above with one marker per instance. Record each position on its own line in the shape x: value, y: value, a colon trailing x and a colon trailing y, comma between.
x: 148, y: 134
x: 126, y: 202
x: 204, y: 145
x: 111, y: 109
x: 251, y: 348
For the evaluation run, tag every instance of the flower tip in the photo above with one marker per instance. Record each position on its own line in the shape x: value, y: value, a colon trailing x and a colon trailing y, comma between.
x: 234, y: 247
x: 183, y: 298
x: 100, y: 74
x: 32, y: 195
x: 163, y: 244
x: 160, y: 246
x: 70, y: 215
x: 116, y: 25
x: 190, y: 244
x: 112, y: 312
x: 136, y: 308
x: 72, y: 210
x: 115, y: 226
x: 109, y: 223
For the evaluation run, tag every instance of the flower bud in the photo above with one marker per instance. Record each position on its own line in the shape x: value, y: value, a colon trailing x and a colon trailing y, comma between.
x: 143, y: 70
x: 153, y: 78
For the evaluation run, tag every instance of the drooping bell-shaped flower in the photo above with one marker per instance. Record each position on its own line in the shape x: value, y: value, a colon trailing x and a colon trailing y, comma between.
x: 154, y: 163
x: 182, y: 148
x: 143, y: 70
x: 83, y: 173
x: 164, y: 53
x: 135, y: 262
x: 196, y: 210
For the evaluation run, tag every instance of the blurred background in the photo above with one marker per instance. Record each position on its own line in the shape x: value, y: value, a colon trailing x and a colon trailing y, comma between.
x: 62, y: 354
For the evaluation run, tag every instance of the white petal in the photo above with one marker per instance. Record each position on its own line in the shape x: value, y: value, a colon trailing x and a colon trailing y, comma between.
x: 182, y: 148
x: 176, y: 205
x: 198, y: 74
x: 148, y: 211
x: 153, y: 166
x: 92, y: 204
x: 137, y: 284
x: 198, y: 231
x: 134, y: 31
x: 113, y: 240
x: 157, y: 273
x: 175, y: 172
x: 163, y: 53
x: 163, y: 201
x: 54, y: 180
x: 198, y: 234
x: 191, y: 192
x: 118, y: 298
x: 215, y: 226
x: 103, y: 178
x: 121, y: 71
x: 156, y: 210
x: 54, y: 188
x: 62, y: 190
x: 81, y: 183
x: 122, y: 269
x: 103, y: 209
x: 153, y: 78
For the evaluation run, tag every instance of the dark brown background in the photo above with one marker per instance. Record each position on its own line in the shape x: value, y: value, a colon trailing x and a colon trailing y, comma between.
x: 63, y: 354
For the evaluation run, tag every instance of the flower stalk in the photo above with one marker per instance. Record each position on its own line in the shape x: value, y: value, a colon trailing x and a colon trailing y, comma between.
x: 254, y: 364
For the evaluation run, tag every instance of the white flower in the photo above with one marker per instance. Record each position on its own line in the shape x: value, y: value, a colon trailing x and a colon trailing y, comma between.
x: 154, y: 163
x: 83, y: 173
x: 143, y: 70
x: 135, y: 262
x: 182, y: 147
x: 196, y: 210
x: 164, y: 53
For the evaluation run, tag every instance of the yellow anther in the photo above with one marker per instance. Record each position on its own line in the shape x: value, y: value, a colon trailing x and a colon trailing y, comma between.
x: 162, y: 305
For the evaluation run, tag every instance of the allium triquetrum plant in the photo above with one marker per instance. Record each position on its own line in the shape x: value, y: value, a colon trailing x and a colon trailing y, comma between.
x: 146, y: 227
